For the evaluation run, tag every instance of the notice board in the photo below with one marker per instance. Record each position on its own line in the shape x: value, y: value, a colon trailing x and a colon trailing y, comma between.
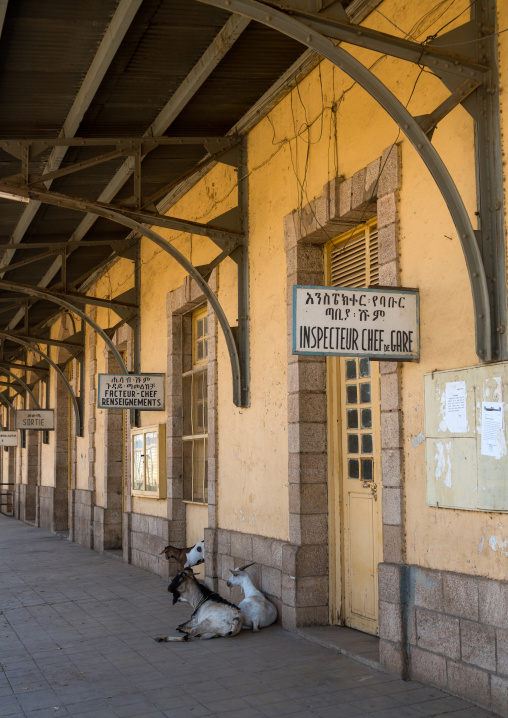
x: 466, y: 414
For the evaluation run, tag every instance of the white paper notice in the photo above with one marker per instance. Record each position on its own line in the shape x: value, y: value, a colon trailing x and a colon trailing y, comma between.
x: 455, y: 407
x: 493, y: 441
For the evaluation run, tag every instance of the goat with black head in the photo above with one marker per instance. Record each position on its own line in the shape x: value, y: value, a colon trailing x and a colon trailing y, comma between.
x: 213, y: 616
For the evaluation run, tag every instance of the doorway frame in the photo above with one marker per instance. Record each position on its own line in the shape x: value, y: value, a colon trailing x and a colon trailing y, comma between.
x: 344, y: 203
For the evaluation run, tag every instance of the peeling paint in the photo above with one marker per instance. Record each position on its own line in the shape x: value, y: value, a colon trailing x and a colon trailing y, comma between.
x: 480, y: 547
x: 419, y: 439
x: 442, y: 411
x: 497, y: 543
x: 440, y: 460
x: 443, y: 463
x: 448, y: 478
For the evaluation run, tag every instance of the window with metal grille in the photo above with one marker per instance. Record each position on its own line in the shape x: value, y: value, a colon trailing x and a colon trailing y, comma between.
x: 354, y: 258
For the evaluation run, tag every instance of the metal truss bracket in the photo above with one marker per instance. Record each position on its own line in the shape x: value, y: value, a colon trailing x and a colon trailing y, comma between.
x: 430, y: 56
x: 48, y: 295
x: 484, y: 252
x: 429, y: 122
x: 34, y: 147
x: 120, y: 305
x: 71, y: 344
x: 237, y: 157
x: 36, y: 368
x: 7, y: 372
x: 45, y: 355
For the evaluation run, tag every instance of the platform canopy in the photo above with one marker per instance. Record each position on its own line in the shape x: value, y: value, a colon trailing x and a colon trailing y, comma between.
x: 120, y: 102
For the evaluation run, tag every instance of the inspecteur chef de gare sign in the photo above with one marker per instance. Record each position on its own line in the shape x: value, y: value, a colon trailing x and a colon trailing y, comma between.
x: 343, y: 321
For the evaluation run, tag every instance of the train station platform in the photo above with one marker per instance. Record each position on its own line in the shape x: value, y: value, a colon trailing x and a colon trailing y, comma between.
x: 77, y: 639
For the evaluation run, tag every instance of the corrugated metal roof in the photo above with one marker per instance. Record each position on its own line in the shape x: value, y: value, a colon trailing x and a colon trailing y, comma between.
x: 46, y: 49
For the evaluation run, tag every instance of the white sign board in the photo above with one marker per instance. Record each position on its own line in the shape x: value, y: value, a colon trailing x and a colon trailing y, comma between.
x: 341, y: 321
x: 131, y: 391
x: 8, y: 438
x: 41, y: 419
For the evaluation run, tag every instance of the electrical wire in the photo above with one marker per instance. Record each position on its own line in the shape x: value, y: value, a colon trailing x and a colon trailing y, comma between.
x: 306, y: 126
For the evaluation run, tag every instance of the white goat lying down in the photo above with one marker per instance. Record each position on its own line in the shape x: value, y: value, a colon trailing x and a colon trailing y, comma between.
x: 213, y: 616
x: 186, y: 557
x: 257, y: 611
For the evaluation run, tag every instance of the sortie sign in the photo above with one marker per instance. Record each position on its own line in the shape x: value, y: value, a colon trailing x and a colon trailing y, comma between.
x: 344, y: 321
x: 131, y: 391
x: 38, y: 419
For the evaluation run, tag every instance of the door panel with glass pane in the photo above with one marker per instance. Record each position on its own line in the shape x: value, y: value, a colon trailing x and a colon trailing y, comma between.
x: 361, y: 474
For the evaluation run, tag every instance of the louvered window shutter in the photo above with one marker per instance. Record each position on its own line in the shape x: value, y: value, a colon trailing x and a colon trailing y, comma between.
x: 354, y: 258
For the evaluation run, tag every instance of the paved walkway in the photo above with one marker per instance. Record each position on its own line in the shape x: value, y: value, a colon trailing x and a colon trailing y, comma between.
x: 76, y: 639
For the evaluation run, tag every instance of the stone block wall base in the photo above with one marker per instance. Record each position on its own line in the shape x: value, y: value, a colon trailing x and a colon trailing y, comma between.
x: 53, y: 508
x: 148, y: 536
x: 446, y: 629
x: 82, y: 529
x: 25, y: 502
x: 107, y: 529
x: 296, y: 585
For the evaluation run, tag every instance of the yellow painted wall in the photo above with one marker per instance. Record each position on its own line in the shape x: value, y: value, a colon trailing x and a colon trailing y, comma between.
x: 328, y: 127
x: 444, y: 538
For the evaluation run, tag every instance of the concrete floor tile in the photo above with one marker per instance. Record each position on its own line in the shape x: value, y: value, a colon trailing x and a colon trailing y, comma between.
x: 84, y: 706
x: 440, y: 705
x: 87, y: 631
x: 340, y: 711
x: 9, y: 706
x: 379, y: 703
x: 401, y: 712
x: 282, y: 708
x: 49, y: 712
x: 167, y: 703
x: 225, y: 704
x: 320, y: 700
x: 420, y: 695
x: 266, y: 699
x: 470, y: 713
x: 242, y: 713
x: 357, y: 694
x: 197, y: 711
x: 101, y: 713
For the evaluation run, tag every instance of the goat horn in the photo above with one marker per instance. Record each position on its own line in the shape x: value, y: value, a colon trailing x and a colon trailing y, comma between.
x: 242, y: 568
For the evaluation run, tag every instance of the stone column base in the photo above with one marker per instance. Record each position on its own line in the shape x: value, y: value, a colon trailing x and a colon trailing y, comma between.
x: 53, y: 508
x: 446, y: 629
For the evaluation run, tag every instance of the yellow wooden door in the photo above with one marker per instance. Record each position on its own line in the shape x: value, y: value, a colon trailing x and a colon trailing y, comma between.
x: 355, y: 473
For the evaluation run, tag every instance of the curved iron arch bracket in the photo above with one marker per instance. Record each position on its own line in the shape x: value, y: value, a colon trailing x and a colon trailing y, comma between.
x: 41, y: 294
x: 267, y: 15
x: 93, y: 208
x: 14, y: 338
x: 5, y: 372
x: 7, y: 403
x: 17, y: 390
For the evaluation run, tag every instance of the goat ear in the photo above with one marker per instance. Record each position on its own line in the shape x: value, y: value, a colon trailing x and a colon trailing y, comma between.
x: 242, y: 568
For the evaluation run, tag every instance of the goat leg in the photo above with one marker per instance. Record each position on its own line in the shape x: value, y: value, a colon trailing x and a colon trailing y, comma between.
x: 171, y: 639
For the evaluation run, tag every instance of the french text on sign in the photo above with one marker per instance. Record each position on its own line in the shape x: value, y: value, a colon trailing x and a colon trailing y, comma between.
x: 131, y: 391
x: 36, y: 419
x: 8, y: 438
x: 346, y: 321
